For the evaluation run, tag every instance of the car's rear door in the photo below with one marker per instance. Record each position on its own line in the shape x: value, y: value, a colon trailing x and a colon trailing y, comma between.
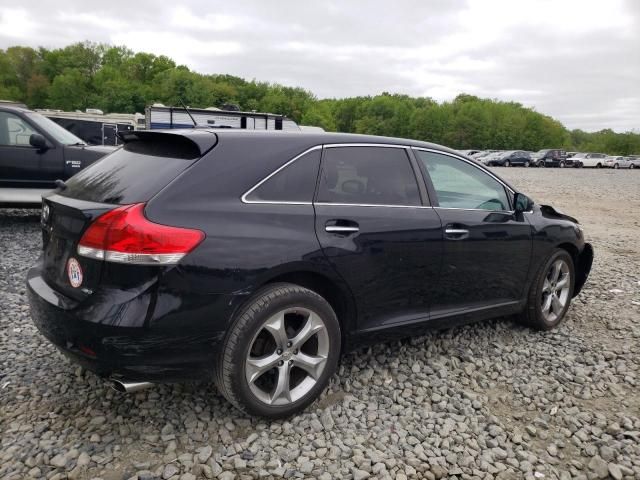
x: 487, y: 247
x: 376, y: 228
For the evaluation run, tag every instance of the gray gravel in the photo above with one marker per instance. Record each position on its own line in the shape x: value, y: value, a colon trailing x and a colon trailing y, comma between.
x: 491, y: 400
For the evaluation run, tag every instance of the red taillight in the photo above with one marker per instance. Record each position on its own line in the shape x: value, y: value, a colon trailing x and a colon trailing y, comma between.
x: 124, y: 235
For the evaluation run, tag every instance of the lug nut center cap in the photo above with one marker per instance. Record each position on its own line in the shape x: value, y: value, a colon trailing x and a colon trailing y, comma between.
x: 286, y: 355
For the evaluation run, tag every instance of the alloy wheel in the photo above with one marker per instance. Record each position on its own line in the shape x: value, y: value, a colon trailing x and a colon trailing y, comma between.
x: 526, y: 164
x: 555, y: 290
x: 287, y: 356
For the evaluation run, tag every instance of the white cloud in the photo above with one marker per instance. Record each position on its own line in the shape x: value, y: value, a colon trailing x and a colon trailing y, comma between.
x: 16, y: 23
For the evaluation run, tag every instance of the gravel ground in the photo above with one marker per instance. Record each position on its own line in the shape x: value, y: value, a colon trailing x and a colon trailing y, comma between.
x: 492, y: 400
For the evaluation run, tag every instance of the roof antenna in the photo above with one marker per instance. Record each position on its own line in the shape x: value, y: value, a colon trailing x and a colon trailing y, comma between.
x: 188, y: 113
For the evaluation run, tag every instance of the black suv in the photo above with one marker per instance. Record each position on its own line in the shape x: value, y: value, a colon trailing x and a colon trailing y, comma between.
x: 256, y: 258
x: 34, y: 153
x: 552, y: 157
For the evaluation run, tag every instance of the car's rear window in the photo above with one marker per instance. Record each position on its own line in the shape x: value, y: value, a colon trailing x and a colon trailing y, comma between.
x: 131, y: 174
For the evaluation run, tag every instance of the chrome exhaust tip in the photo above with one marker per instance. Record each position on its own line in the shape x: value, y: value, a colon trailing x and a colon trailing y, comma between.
x: 129, y: 387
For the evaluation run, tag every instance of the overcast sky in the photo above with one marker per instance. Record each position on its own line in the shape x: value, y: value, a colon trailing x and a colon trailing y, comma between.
x: 577, y: 60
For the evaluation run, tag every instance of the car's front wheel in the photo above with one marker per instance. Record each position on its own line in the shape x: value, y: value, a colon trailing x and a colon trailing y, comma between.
x: 550, y: 292
x: 280, y: 352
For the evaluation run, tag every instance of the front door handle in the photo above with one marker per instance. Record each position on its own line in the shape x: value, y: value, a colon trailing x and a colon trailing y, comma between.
x: 456, y: 233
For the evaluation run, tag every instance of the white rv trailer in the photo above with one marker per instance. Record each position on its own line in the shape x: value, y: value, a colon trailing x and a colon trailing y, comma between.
x: 159, y: 116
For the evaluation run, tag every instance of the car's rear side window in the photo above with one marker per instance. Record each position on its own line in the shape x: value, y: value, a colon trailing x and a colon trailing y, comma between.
x: 294, y: 183
x: 368, y: 176
x: 125, y: 176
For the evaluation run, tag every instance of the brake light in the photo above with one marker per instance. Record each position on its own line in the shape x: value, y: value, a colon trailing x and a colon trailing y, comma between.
x: 124, y: 235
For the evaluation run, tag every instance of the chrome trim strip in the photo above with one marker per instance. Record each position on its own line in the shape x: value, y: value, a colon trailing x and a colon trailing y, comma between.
x: 383, y: 145
x: 244, y: 199
x: 477, y: 210
x: 470, y: 162
x: 328, y: 204
x: 455, y: 231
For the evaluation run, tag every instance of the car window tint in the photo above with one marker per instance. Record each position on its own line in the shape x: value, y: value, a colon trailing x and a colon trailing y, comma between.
x: 461, y: 185
x: 369, y: 176
x: 14, y: 131
x: 294, y: 183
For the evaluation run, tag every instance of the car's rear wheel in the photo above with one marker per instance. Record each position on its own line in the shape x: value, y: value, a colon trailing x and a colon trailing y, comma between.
x: 632, y: 166
x: 562, y: 164
x: 616, y: 166
x: 550, y: 293
x: 280, y: 352
x: 599, y: 165
x: 541, y: 164
x: 526, y: 163
x: 507, y: 163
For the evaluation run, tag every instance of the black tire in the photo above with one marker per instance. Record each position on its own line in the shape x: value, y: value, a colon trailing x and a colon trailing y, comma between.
x: 632, y: 166
x: 561, y: 165
x: 541, y: 164
x: 616, y: 166
x: 599, y: 165
x: 230, y: 368
x: 532, y: 315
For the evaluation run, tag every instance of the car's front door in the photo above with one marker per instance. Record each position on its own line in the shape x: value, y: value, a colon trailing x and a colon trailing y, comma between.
x: 487, y: 248
x: 21, y: 164
x: 376, y: 228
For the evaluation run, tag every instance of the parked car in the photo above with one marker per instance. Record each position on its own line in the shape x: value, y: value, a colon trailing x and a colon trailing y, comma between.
x: 634, y: 161
x: 595, y: 160
x: 255, y: 259
x: 552, y: 157
x: 469, y: 153
x: 512, y: 157
x: 615, y: 161
x: 489, y: 158
x: 34, y: 153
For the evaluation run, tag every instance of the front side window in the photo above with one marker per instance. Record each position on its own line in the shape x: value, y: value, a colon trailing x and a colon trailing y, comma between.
x: 14, y: 131
x: 461, y: 185
x: 367, y: 176
x: 295, y: 183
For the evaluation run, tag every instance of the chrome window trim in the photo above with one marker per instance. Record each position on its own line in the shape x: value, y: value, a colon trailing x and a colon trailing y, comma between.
x: 476, y: 210
x: 244, y: 198
x: 329, y: 204
x: 383, y: 145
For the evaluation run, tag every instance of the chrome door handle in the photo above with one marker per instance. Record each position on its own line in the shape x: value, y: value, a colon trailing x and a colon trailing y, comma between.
x: 340, y: 229
x: 456, y: 231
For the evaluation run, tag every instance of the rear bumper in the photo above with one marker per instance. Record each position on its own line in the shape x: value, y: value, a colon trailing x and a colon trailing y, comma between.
x: 148, y: 336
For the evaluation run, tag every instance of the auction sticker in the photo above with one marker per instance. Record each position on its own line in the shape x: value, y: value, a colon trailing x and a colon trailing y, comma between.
x: 74, y: 271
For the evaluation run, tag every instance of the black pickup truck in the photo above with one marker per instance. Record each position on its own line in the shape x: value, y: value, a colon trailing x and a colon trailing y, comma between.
x: 34, y: 153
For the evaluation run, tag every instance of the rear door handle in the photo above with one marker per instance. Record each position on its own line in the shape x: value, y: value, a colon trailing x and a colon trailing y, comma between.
x: 341, y: 226
x: 456, y: 233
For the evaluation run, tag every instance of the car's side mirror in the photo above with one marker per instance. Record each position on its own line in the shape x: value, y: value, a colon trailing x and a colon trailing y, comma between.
x: 38, y: 141
x: 522, y: 203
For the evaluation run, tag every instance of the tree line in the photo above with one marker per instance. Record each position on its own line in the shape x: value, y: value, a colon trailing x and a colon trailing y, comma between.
x: 115, y: 79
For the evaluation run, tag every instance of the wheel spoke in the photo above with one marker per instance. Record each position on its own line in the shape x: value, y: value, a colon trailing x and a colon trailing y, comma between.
x: 258, y: 366
x: 546, y: 305
x: 556, y: 271
x: 563, y: 282
x: 312, y: 326
x: 556, y: 305
x: 546, y: 286
x: 276, y: 327
x: 282, y: 392
x: 312, y: 364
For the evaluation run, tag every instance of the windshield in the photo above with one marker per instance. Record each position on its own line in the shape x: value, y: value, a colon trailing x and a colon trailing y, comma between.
x: 62, y: 135
x: 580, y: 155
